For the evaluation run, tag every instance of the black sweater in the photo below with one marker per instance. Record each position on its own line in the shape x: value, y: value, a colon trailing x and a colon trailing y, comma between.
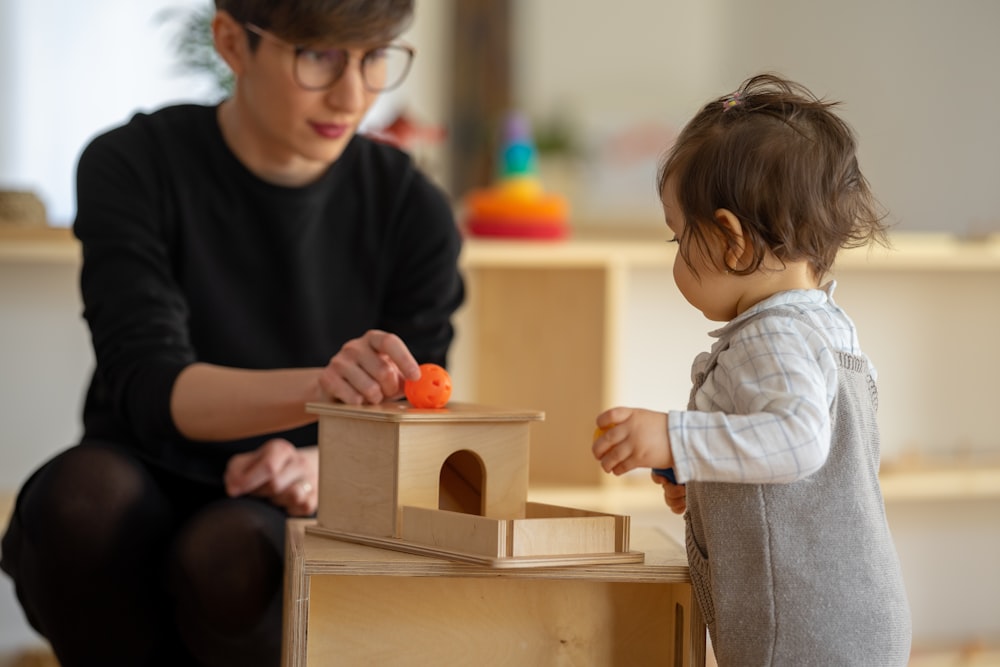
x: 188, y: 256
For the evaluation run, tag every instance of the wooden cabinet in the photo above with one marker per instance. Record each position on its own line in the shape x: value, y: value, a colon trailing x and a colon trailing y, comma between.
x: 543, y: 327
x: 347, y: 604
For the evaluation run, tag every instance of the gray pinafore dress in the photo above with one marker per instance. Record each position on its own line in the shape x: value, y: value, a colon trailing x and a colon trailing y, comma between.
x: 803, y: 573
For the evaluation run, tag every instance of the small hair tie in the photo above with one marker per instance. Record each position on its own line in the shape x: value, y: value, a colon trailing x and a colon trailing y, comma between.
x: 730, y: 101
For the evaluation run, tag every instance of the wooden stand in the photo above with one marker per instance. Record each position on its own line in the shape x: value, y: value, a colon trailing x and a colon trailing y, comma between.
x: 348, y: 604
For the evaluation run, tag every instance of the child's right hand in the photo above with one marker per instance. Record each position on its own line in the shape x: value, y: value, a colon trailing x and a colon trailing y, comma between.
x: 632, y: 438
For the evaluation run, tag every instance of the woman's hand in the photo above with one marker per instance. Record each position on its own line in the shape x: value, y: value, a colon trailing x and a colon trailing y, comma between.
x: 286, y: 475
x: 370, y: 369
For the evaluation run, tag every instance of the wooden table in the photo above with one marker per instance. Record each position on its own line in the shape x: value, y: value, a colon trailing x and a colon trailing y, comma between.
x: 348, y: 604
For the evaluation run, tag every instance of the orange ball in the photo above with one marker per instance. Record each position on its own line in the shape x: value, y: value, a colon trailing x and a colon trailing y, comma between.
x: 432, y: 390
x: 598, y: 432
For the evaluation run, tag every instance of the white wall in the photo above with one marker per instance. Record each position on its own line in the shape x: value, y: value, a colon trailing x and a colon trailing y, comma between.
x: 917, y: 79
x: 70, y: 70
x: 45, y: 358
x: 63, y: 81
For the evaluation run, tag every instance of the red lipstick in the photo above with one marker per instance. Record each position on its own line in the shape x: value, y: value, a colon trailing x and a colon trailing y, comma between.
x: 329, y: 130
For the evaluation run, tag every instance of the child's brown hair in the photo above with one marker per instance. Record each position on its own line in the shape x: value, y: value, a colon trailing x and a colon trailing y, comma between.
x: 784, y: 164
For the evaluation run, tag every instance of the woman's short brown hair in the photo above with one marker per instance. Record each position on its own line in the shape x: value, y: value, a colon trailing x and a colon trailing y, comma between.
x: 780, y: 160
x: 331, y: 21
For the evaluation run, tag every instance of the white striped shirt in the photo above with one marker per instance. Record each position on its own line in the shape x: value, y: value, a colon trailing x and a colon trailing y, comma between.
x: 763, y: 415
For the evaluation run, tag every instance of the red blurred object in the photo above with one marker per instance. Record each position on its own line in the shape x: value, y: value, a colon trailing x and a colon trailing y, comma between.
x: 406, y: 133
x: 517, y: 229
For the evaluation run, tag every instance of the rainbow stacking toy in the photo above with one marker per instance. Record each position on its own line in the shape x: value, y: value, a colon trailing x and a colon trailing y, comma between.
x: 517, y: 205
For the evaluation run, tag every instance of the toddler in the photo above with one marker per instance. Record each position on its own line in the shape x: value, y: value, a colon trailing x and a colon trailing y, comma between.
x: 777, y: 455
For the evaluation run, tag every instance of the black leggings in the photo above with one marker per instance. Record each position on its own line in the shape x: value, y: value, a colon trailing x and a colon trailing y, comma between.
x: 117, y: 563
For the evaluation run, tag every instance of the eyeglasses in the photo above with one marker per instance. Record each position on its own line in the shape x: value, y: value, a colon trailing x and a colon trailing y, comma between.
x: 382, y: 68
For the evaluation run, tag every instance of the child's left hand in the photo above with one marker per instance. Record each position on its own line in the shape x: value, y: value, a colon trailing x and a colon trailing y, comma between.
x: 632, y: 438
x: 674, y: 495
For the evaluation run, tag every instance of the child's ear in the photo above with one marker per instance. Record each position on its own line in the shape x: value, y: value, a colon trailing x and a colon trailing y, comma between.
x: 738, y: 250
x: 230, y: 41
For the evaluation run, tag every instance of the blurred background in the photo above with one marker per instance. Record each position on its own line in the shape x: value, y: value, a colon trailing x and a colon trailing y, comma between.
x: 606, y: 86
x: 599, y: 83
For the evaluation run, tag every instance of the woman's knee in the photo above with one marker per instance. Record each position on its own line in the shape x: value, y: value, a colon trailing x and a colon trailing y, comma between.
x: 228, y: 562
x: 91, y: 500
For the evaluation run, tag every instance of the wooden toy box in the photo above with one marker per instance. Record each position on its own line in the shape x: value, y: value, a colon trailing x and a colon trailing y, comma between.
x: 450, y: 483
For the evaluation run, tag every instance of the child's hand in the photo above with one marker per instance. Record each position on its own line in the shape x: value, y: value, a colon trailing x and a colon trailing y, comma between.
x: 674, y: 495
x: 632, y: 438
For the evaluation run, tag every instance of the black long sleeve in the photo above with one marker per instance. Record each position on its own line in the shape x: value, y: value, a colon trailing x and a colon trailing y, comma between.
x: 190, y: 257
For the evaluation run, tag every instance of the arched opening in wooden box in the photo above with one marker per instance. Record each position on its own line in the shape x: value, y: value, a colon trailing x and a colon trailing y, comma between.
x: 463, y: 475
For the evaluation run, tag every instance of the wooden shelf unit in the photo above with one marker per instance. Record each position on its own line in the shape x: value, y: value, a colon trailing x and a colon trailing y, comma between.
x: 594, y: 247
x: 47, y: 245
x: 544, y: 319
x: 945, y: 481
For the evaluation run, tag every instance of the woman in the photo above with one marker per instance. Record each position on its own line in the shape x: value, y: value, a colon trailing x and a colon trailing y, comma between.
x: 228, y: 252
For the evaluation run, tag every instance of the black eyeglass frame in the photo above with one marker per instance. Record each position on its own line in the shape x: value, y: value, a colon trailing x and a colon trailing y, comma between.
x: 299, y: 49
